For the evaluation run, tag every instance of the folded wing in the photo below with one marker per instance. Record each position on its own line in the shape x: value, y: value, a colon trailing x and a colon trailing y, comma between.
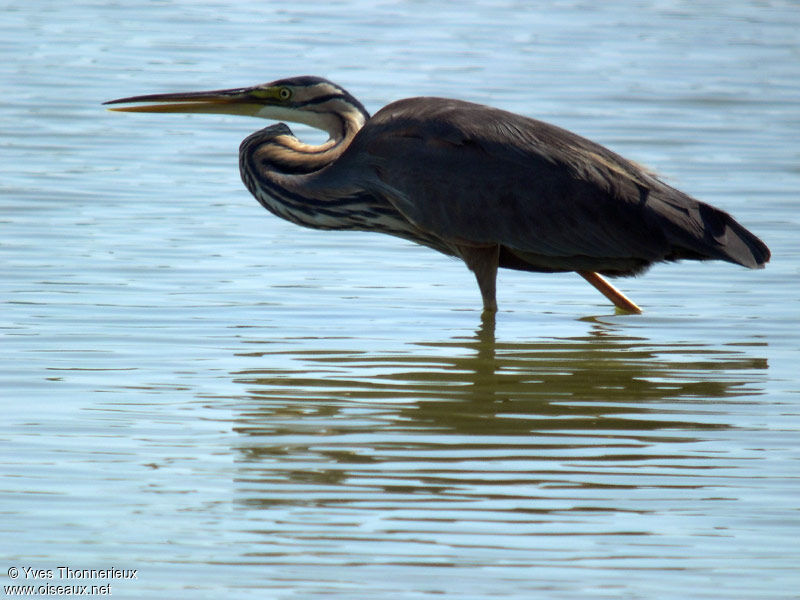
x: 552, y: 200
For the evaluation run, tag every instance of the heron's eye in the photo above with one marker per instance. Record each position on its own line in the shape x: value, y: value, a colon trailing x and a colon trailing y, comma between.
x: 284, y: 93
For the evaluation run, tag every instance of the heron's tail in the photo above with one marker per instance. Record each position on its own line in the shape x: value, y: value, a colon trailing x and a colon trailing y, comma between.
x: 701, y: 231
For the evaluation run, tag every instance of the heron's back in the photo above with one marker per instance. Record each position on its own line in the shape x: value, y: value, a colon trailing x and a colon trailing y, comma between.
x: 553, y: 200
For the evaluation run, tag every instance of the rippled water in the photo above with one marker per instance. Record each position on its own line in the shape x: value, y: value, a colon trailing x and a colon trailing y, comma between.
x: 237, y: 407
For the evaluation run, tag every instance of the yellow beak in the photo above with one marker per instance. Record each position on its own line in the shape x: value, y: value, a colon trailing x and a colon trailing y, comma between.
x: 240, y: 101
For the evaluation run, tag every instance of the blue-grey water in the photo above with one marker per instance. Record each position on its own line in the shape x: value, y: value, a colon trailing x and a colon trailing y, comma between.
x: 237, y: 407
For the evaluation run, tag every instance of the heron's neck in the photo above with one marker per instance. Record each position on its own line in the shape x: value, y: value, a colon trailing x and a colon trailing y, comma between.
x: 279, y: 169
x: 277, y: 150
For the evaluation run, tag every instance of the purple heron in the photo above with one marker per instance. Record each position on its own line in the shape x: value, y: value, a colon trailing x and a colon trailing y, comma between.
x: 493, y: 188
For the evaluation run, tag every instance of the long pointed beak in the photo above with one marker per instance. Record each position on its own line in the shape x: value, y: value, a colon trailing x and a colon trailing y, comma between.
x: 238, y: 101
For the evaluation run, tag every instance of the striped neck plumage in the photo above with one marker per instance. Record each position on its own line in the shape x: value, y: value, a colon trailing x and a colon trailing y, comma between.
x: 275, y: 165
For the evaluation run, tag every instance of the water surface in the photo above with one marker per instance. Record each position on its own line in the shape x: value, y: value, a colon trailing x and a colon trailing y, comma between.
x: 238, y: 407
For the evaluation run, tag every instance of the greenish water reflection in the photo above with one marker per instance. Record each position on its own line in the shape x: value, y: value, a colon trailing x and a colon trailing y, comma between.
x: 463, y: 384
x: 473, y: 411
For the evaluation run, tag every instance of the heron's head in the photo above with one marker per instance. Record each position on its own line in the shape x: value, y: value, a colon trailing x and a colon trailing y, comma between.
x: 310, y: 100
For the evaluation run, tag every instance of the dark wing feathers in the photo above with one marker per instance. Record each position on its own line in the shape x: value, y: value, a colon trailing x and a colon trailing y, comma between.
x: 698, y: 230
x: 552, y: 199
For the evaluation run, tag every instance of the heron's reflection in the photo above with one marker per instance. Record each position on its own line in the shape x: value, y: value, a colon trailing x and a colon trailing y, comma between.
x: 471, y: 416
x: 476, y: 385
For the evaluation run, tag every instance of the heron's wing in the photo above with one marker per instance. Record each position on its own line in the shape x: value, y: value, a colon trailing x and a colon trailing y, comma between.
x: 477, y: 175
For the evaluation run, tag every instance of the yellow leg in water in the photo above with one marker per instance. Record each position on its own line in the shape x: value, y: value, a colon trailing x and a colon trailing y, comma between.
x: 619, y: 299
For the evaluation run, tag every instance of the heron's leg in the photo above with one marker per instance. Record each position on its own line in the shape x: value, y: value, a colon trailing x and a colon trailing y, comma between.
x: 620, y: 300
x: 483, y: 261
